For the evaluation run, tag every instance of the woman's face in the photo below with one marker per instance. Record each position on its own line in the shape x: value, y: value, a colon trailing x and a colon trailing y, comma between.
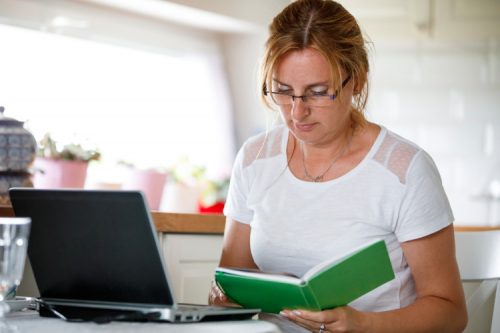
x: 307, y: 72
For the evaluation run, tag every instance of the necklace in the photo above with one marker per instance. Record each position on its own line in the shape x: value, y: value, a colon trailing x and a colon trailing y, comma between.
x: 318, y: 179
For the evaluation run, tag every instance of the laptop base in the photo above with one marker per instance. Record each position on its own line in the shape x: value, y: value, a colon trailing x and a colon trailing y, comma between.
x: 105, y: 313
x: 99, y: 316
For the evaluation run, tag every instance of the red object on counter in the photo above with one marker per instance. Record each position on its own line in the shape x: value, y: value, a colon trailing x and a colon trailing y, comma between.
x: 216, y: 208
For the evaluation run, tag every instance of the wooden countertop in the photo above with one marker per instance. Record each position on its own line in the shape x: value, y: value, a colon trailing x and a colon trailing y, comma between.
x: 173, y: 222
x: 189, y: 223
x: 475, y: 228
x: 210, y: 223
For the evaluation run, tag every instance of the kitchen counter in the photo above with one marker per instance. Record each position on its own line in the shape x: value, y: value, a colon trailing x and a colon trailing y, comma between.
x: 189, y: 223
x: 173, y: 222
x: 210, y: 223
x: 475, y: 228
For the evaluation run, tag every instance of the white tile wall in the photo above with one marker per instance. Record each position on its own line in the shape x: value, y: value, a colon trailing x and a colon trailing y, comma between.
x: 483, y: 104
x: 399, y: 68
x: 457, y: 69
x: 494, y: 62
x: 448, y: 102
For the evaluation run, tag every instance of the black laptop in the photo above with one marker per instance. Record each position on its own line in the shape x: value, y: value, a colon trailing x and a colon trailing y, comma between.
x: 95, y: 252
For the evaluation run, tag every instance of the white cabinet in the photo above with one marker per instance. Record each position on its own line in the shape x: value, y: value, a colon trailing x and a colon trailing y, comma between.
x: 191, y: 260
x: 443, y: 20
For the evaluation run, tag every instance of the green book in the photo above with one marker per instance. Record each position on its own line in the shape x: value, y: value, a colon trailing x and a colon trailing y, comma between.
x: 327, y: 285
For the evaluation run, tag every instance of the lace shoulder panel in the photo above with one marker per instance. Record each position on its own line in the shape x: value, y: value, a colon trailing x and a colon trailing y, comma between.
x: 396, y: 155
x: 262, y: 146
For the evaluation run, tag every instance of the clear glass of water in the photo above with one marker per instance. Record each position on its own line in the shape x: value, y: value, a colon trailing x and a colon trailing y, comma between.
x: 14, y: 232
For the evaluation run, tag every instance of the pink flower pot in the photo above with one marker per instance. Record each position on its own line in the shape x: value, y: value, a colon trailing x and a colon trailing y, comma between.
x: 150, y: 182
x: 51, y: 173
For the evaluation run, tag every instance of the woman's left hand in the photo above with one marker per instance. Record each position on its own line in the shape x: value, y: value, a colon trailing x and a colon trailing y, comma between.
x: 341, y: 319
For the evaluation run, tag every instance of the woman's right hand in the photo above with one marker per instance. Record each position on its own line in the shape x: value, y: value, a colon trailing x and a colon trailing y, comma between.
x: 217, y: 297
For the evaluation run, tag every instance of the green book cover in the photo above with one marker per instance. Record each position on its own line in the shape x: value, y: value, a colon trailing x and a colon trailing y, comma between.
x: 330, y: 284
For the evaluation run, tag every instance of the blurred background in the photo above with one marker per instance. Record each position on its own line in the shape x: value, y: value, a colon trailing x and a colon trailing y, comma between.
x: 171, y: 85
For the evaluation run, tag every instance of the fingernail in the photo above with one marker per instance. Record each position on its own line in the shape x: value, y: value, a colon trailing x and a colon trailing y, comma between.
x: 297, y: 312
x: 284, y: 314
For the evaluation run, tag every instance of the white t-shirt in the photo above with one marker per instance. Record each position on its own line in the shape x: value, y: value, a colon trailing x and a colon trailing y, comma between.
x: 394, y: 194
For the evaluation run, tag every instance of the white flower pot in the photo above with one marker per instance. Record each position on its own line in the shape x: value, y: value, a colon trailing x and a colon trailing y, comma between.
x: 180, y: 198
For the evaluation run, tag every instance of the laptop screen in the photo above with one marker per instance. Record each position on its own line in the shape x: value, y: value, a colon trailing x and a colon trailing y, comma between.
x: 93, y: 246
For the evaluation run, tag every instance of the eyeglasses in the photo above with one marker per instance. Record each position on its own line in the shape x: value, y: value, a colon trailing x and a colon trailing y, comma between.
x: 311, y: 98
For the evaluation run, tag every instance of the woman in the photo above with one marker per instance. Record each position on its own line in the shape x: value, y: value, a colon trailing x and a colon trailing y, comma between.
x: 328, y: 181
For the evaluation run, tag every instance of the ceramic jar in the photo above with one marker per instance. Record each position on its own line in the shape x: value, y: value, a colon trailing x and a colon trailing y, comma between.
x: 17, y: 152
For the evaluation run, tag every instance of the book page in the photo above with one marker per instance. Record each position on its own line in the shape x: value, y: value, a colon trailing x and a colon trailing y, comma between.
x: 269, y: 276
x: 323, y: 266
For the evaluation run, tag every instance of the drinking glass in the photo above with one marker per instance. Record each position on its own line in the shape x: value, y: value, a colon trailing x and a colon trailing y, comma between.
x: 14, y: 232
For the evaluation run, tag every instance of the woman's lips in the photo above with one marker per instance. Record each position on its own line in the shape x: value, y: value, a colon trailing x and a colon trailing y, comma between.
x: 304, y: 127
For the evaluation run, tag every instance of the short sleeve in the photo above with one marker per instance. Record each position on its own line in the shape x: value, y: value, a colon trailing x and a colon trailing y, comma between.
x: 425, y: 208
x: 236, y: 206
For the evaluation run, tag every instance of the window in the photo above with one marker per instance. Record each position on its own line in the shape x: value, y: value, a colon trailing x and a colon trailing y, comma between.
x: 148, y: 109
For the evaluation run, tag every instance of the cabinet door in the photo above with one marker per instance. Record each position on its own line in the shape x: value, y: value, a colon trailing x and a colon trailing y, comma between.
x: 191, y: 261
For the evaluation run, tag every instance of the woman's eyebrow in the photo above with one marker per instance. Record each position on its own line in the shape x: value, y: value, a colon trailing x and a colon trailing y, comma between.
x: 279, y: 82
x: 315, y: 84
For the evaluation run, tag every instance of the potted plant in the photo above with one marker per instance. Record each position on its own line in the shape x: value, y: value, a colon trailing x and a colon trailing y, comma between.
x: 182, y: 190
x: 62, y: 167
x: 213, y: 195
x: 149, y: 180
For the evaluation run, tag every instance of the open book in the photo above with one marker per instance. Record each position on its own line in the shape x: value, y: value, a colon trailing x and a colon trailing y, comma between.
x: 329, y: 284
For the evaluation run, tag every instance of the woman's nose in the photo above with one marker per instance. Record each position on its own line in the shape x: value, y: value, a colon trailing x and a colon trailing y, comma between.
x: 299, y: 110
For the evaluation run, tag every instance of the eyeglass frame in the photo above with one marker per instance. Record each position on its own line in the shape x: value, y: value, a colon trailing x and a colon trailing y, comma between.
x: 304, y: 97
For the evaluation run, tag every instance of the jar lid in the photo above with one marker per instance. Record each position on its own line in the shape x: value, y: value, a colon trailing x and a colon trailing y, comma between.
x: 6, y: 121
